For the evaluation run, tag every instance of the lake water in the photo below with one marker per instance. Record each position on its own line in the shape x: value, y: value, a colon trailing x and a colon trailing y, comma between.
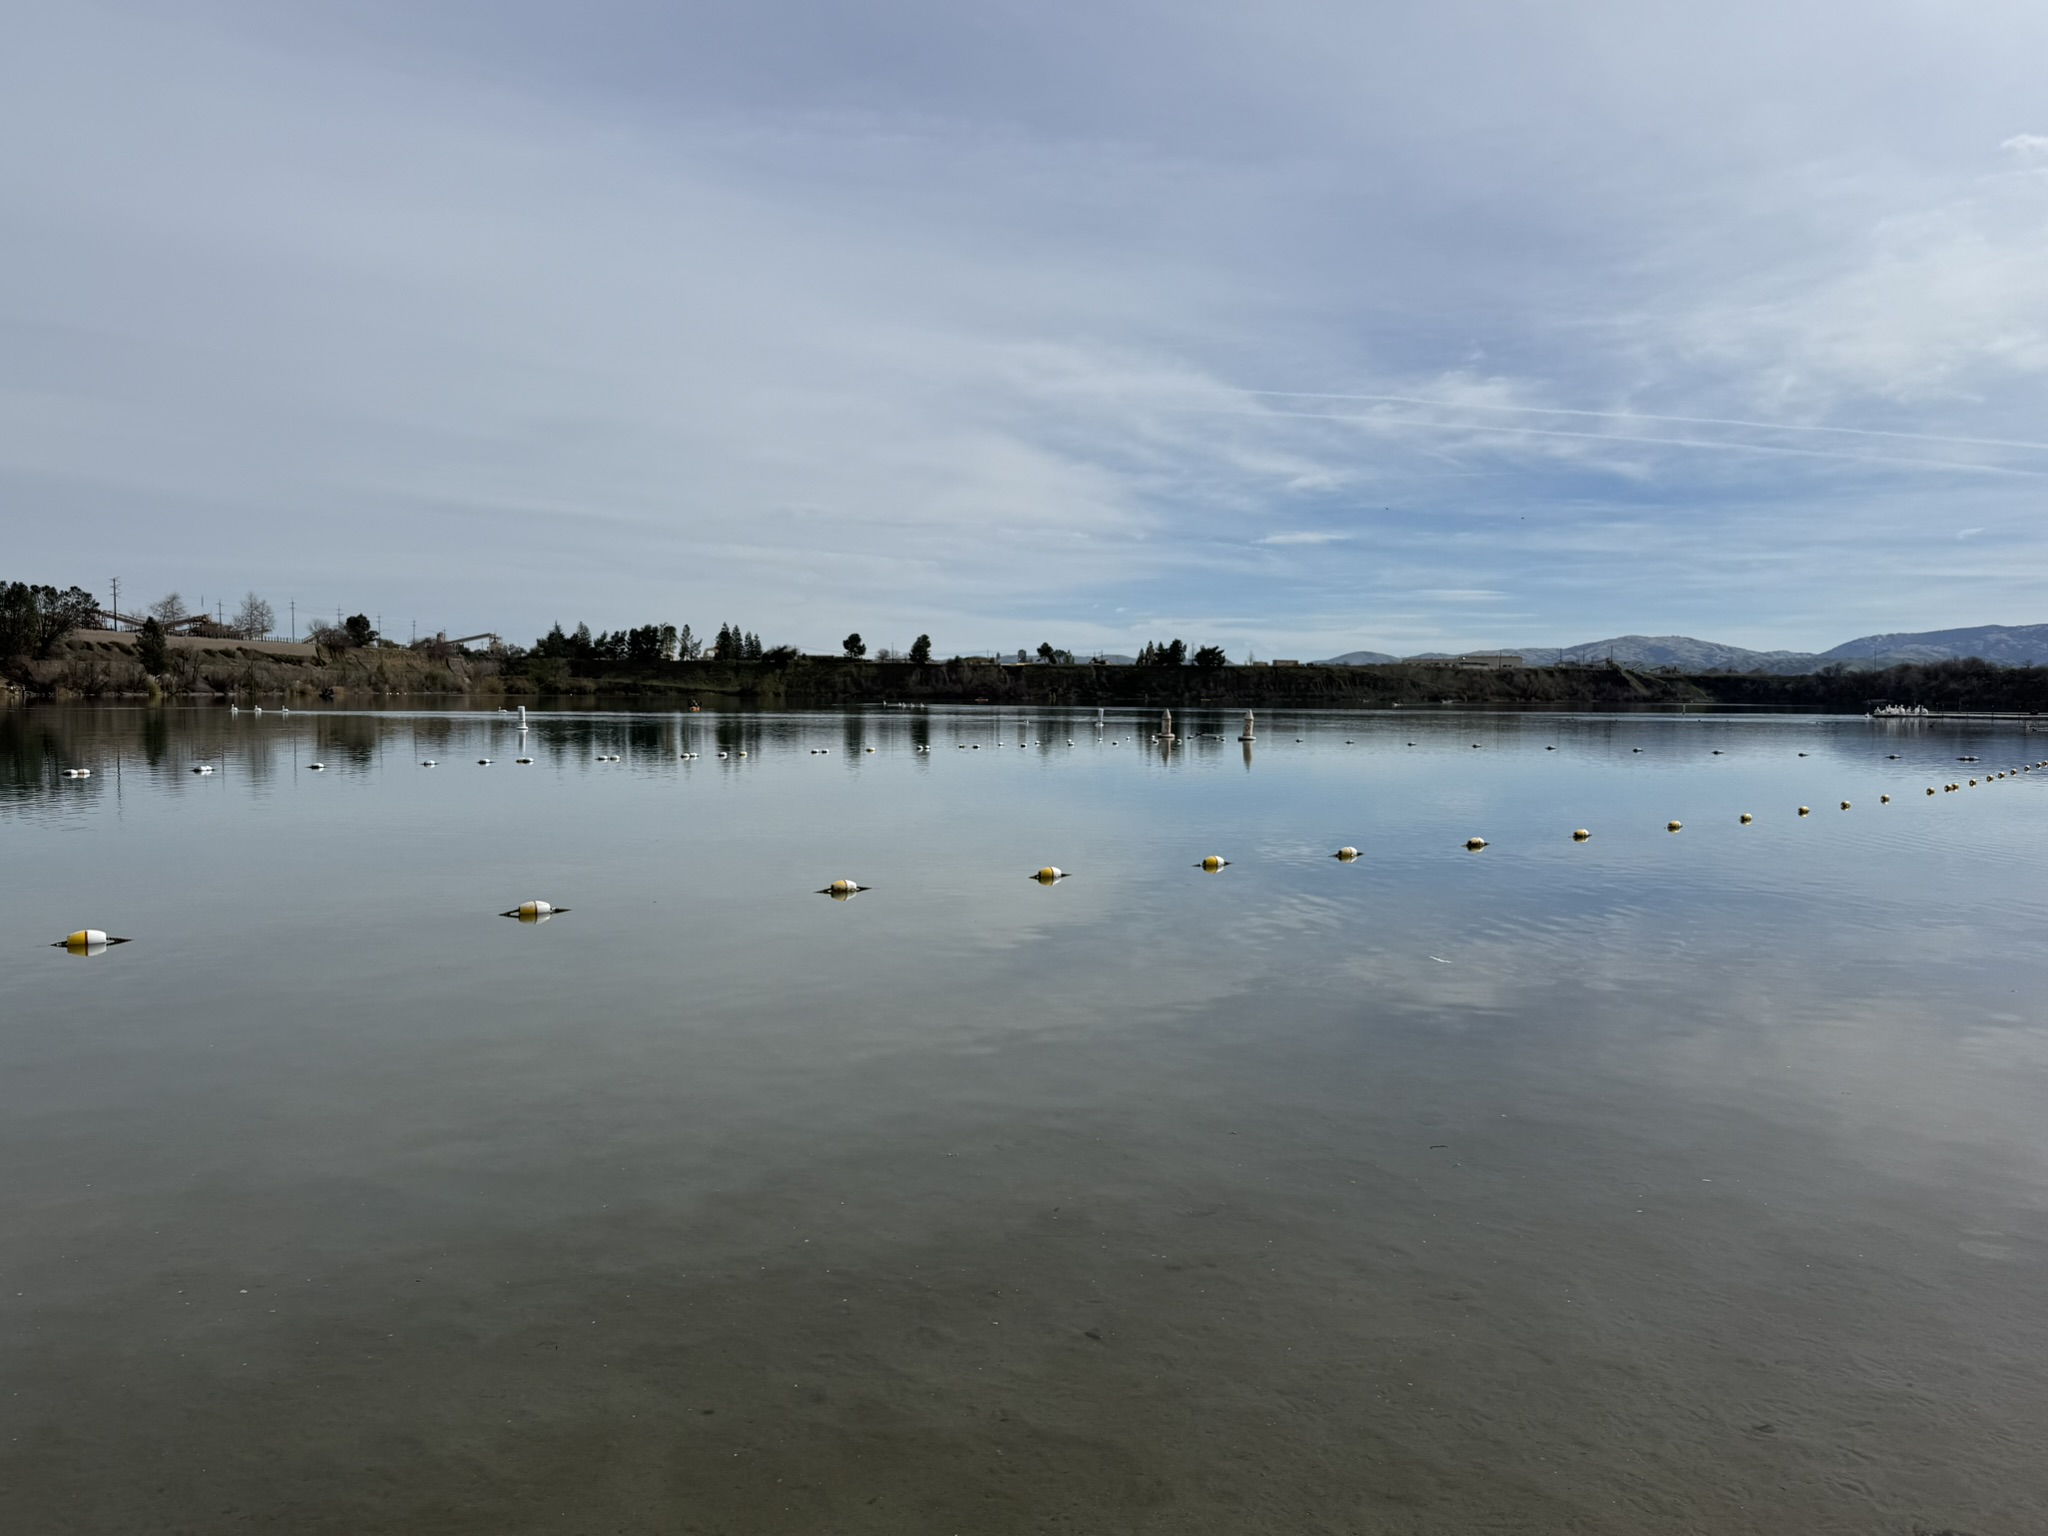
x: 1664, y: 1182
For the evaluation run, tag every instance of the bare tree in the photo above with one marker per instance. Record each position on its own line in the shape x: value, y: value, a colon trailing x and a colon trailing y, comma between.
x: 255, y: 618
x: 169, y: 608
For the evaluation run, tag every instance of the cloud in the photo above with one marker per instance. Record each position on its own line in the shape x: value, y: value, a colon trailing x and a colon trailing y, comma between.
x: 916, y: 320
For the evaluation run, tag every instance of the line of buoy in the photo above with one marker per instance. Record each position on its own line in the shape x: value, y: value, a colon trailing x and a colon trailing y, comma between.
x: 77, y: 773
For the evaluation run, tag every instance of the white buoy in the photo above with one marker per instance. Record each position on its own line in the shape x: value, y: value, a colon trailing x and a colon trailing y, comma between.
x: 1250, y: 730
x: 1674, y: 826
x: 1845, y: 805
x: 483, y: 762
x: 1745, y: 818
x: 202, y: 767
x: 1347, y: 853
x: 1475, y: 843
x: 77, y: 773
x: 316, y: 767
x: 1213, y: 862
x: 1049, y: 874
x: 523, y: 761
x: 522, y: 717
x: 426, y: 762
x: 1581, y: 835
x: 1806, y: 810
x: 534, y: 911
x: 844, y: 888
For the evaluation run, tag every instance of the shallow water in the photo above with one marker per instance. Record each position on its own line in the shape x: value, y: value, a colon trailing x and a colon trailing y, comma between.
x: 1664, y: 1182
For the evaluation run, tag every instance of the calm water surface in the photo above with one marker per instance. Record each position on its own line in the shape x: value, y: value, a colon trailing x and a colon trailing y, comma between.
x: 1689, y: 1182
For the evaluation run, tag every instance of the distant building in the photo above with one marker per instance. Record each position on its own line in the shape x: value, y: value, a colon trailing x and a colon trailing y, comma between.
x: 1487, y: 661
x: 1279, y: 663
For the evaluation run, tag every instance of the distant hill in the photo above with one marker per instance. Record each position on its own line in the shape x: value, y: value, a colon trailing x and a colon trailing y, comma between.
x: 1686, y: 654
x: 1358, y: 659
x: 2013, y: 645
x: 2002, y: 644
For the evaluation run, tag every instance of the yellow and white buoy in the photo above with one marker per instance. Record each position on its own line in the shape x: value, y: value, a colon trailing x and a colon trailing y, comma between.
x: 86, y: 941
x: 534, y: 911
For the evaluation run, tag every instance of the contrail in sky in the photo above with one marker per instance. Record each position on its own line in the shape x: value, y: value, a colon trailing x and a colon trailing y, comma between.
x: 1610, y: 437
x: 1692, y: 421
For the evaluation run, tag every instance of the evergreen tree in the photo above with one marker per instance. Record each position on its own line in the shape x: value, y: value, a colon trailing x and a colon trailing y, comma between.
x: 152, y: 649
x: 921, y: 649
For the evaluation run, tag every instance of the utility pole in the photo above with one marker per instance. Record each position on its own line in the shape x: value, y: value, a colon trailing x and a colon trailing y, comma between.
x: 117, y: 602
x: 295, y: 621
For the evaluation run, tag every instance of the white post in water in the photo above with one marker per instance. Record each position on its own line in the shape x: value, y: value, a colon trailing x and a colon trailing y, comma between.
x: 522, y: 717
x: 1249, y: 733
x: 1099, y: 722
x: 1166, y: 725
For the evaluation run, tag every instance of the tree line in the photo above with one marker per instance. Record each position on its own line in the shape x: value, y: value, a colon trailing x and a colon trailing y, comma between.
x: 1174, y: 653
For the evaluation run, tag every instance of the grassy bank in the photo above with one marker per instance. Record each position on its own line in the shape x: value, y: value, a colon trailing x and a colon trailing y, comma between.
x: 102, y: 665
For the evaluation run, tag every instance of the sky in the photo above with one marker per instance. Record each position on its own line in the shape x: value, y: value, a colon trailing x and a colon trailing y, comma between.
x: 1295, y: 327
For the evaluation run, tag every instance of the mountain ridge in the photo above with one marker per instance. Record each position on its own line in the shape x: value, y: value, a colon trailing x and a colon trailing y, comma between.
x: 2001, y: 644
